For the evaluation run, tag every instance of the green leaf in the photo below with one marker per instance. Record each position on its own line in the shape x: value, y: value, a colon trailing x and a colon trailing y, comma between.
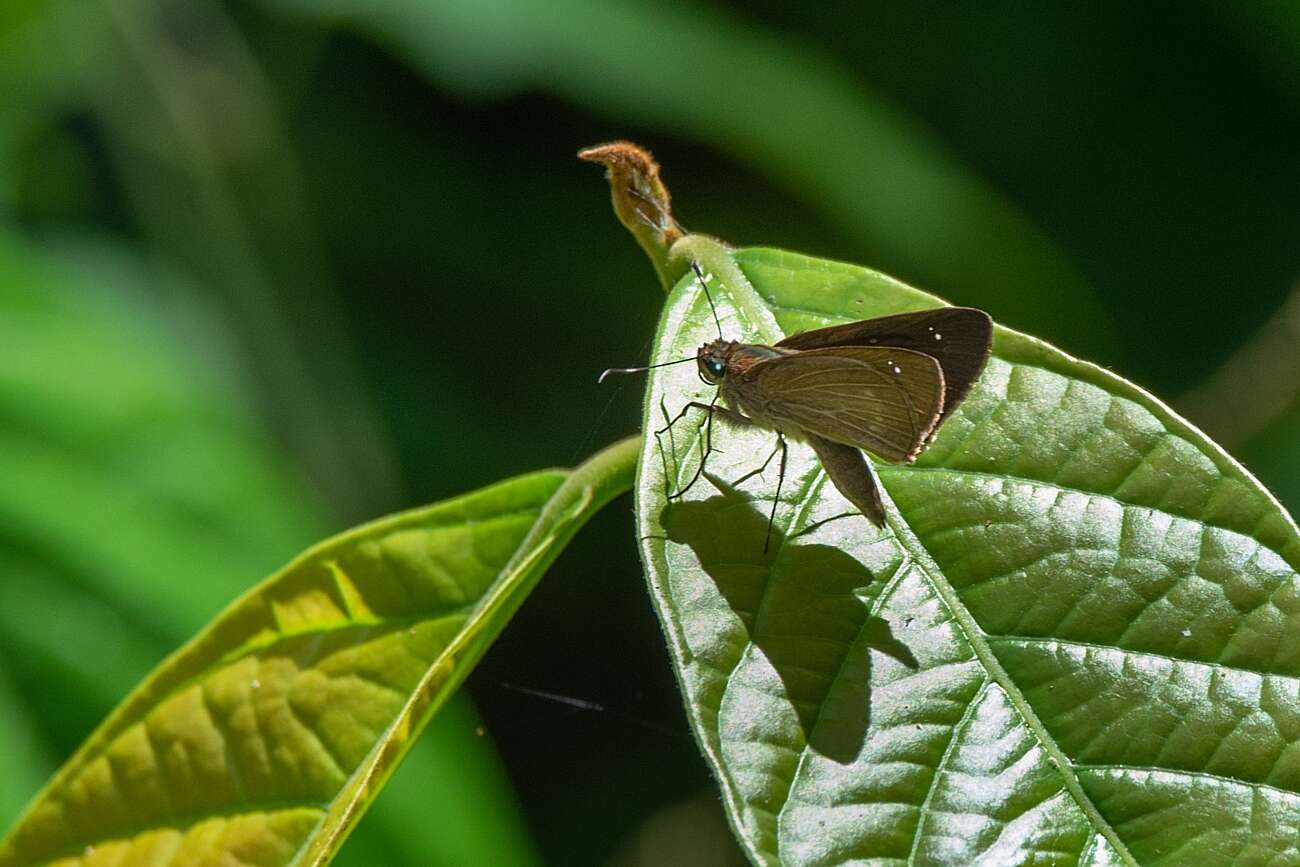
x: 269, y: 734
x: 1076, y: 642
x: 138, y: 498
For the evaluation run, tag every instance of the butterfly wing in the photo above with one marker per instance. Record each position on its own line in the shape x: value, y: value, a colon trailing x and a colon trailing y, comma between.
x: 883, y: 399
x: 957, y: 337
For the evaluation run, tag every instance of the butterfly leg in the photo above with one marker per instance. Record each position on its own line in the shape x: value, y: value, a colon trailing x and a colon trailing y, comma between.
x: 729, y: 417
x: 780, y: 444
x: 667, y: 428
x: 672, y: 441
x: 707, y: 442
x: 780, y: 479
x: 782, y: 449
x: 817, y: 525
x: 852, y: 475
x: 711, y: 410
x: 670, y: 423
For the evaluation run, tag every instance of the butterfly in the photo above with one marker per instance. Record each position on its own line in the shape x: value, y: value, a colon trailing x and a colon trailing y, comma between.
x: 883, y: 385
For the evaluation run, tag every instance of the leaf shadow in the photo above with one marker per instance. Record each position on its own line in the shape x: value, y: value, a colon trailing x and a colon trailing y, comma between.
x: 792, y: 599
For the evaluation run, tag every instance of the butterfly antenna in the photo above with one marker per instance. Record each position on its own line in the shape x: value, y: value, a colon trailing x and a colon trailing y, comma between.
x: 695, y: 266
x: 601, y: 378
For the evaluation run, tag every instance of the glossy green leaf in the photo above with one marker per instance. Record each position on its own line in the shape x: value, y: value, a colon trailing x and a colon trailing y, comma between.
x: 129, y: 458
x: 1076, y: 642
x: 264, y: 739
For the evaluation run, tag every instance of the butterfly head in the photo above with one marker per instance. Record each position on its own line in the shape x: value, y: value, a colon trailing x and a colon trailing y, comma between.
x: 712, y: 360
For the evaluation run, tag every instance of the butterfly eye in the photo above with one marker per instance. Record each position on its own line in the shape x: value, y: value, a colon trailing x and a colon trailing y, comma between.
x: 717, y: 368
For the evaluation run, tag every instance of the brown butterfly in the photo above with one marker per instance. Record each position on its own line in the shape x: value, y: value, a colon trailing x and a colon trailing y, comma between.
x: 883, y: 385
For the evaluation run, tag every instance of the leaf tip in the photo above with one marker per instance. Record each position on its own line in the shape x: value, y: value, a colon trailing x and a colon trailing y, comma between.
x: 641, y: 200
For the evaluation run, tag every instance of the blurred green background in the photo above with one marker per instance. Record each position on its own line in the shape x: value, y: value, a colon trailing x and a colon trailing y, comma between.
x: 270, y: 268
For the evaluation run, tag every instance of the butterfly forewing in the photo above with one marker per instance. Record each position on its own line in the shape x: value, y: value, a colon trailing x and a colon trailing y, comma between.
x: 883, y: 399
x: 957, y: 337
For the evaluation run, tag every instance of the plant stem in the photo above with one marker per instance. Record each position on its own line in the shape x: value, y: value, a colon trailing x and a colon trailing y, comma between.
x: 716, y: 258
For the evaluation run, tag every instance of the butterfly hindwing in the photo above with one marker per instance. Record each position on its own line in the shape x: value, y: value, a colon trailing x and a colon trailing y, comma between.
x: 852, y: 476
x: 958, y: 338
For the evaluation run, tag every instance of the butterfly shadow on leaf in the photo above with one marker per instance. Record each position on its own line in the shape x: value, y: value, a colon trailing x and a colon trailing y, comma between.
x: 805, y: 607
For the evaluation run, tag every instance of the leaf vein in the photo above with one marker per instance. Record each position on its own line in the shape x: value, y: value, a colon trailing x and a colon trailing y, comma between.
x: 898, y: 470
x: 1203, y: 775
x: 949, y: 748
x: 1128, y: 651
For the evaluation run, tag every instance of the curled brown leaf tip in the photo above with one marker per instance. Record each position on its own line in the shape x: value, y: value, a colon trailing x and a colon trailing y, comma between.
x: 640, y: 198
x: 635, y: 184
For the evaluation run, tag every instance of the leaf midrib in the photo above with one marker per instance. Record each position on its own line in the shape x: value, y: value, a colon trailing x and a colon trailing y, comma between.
x: 978, y: 641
